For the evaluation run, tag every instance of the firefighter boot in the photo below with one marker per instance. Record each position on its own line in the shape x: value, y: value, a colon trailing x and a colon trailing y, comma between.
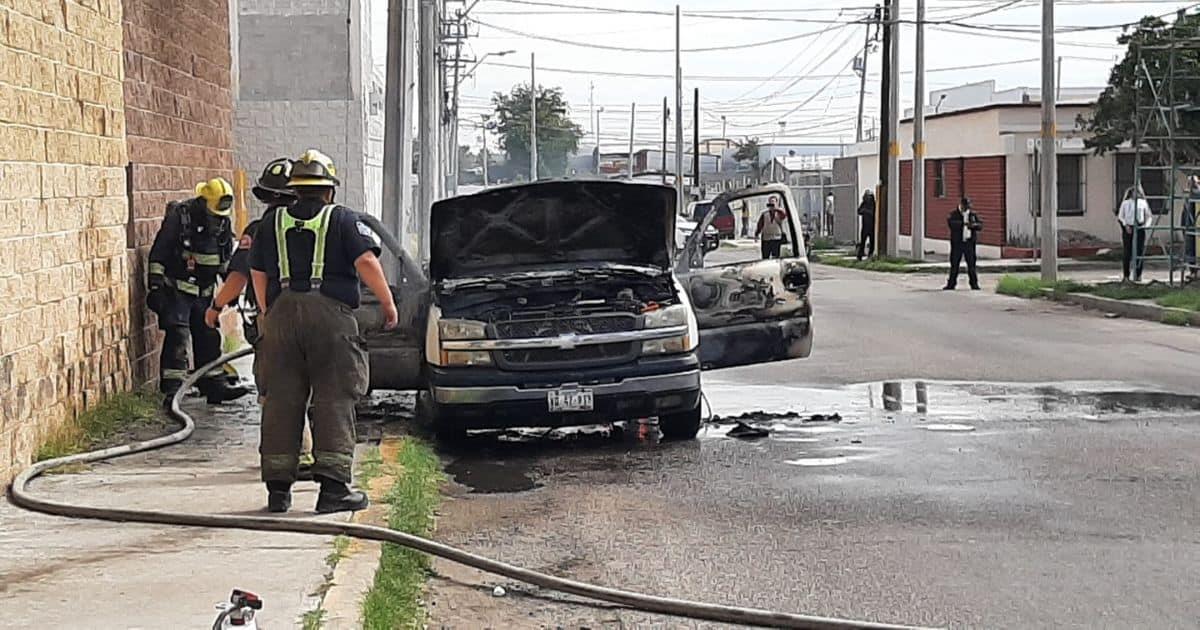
x: 336, y: 496
x: 218, y: 390
x: 279, y: 496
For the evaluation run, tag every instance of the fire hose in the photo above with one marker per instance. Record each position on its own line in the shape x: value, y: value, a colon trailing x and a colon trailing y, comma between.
x: 22, y: 497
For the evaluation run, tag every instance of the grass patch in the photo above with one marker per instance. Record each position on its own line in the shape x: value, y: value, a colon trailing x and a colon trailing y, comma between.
x: 100, y: 424
x: 370, y: 466
x: 393, y: 599
x: 312, y: 619
x: 1031, y: 287
x: 886, y: 265
x: 822, y: 243
x: 341, y: 544
x: 1176, y: 318
x: 1188, y: 299
x: 1118, y: 291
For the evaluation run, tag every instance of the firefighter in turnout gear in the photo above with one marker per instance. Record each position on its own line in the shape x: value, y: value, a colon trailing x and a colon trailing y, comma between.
x: 271, y: 189
x: 306, y: 266
x: 192, y: 248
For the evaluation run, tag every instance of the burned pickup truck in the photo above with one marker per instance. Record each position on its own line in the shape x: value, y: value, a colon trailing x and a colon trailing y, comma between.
x: 565, y: 302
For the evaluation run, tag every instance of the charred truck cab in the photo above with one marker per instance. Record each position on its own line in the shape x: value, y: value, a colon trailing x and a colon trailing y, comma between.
x: 565, y: 302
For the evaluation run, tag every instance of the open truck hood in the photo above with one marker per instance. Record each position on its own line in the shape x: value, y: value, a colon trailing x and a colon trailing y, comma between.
x: 559, y: 222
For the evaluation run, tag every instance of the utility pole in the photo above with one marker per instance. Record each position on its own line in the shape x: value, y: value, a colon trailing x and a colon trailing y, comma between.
x: 696, y: 143
x: 397, y: 126
x: 483, y: 129
x: 724, y: 145
x: 429, y: 112
x: 893, y: 210
x: 533, y: 153
x: 458, y: 34
x: 632, y: 123
x: 862, y: 87
x: 678, y: 117
x: 1058, y: 80
x: 918, y: 147
x: 1049, y: 153
x: 599, y: 153
x: 666, y: 117
x: 885, y: 133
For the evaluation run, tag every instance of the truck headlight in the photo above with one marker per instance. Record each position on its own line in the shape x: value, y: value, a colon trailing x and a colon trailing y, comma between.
x: 461, y: 330
x: 670, y: 345
x: 667, y: 317
x: 677, y: 315
x: 465, y: 358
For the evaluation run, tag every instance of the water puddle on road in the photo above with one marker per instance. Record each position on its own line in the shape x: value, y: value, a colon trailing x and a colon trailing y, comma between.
x: 825, y: 427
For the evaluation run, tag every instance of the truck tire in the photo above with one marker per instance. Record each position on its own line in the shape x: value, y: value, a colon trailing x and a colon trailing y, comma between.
x: 683, y: 425
x: 432, y: 419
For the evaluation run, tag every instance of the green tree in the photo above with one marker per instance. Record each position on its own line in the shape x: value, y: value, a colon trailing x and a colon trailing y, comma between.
x: 1115, y: 117
x: 557, y: 135
x: 748, y: 152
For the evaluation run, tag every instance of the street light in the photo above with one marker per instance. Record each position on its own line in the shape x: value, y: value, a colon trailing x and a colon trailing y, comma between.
x: 471, y: 71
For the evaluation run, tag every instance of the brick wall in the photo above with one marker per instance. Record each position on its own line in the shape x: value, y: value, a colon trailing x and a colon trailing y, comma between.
x: 179, y: 114
x: 64, y: 307
x: 980, y: 178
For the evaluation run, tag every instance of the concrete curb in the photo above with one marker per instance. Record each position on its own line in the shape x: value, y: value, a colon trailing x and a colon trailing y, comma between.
x: 944, y: 268
x: 1124, y: 308
x: 354, y: 574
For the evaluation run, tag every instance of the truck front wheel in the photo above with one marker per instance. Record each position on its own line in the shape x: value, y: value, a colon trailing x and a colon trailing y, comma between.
x: 682, y: 425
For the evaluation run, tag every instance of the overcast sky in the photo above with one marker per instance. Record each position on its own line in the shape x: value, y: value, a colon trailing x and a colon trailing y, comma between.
x: 806, y: 81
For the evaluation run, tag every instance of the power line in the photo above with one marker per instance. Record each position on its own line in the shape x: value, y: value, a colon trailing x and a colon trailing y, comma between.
x: 740, y: 46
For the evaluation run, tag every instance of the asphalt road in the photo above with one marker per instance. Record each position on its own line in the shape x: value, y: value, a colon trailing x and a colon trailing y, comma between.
x: 997, y: 463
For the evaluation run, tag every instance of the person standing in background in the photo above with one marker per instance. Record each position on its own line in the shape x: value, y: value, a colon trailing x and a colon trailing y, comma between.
x: 866, y: 230
x: 965, y: 226
x: 1135, y: 216
x: 770, y: 230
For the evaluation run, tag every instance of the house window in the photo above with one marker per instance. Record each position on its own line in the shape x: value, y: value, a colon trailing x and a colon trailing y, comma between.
x: 1071, y: 185
x: 1152, y: 182
x: 939, y: 179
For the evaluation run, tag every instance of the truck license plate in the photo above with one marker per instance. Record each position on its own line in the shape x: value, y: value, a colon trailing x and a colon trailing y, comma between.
x: 570, y: 400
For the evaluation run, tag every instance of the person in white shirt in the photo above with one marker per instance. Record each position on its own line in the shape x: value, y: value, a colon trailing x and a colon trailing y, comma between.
x: 770, y: 230
x: 1135, y: 216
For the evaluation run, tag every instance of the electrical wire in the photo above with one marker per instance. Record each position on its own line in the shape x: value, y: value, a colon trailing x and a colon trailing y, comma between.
x: 739, y: 46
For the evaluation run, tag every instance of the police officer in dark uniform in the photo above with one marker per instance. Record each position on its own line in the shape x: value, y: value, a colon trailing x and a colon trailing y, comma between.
x: 306, y: 266
x: 191, y: 249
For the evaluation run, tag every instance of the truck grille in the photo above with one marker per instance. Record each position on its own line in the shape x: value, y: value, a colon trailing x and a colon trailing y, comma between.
x: 537, y: 328
x: 581, y: 357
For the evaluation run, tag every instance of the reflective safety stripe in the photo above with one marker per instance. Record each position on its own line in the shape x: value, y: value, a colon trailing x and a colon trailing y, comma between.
x: 341, y: 462
x: 190, y: 288
x: 157, y: 269
x: 208, y: 260
x: 174, y: 375
x: 279, y: 465
x: 318, y: 225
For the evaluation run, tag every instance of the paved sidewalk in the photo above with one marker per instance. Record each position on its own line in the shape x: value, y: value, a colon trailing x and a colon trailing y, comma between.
x: 63, y: 573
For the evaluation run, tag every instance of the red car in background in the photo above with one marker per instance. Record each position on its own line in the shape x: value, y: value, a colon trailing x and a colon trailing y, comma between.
x: 724, y: 221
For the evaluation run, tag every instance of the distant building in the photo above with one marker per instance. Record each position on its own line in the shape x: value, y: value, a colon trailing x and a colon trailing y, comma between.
x: 304, y: 80
x: 981, y: 143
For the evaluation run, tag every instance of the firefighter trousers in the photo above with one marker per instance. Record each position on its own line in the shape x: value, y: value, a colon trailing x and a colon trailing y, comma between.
x: 181, y: 317
x: 311, y: 358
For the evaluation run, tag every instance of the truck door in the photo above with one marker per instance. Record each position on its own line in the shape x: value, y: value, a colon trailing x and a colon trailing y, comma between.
x: 395, y: 355
x: 750, y: 308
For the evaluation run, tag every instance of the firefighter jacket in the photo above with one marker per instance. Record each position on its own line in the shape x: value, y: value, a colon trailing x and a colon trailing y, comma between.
x: 191, y: 249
